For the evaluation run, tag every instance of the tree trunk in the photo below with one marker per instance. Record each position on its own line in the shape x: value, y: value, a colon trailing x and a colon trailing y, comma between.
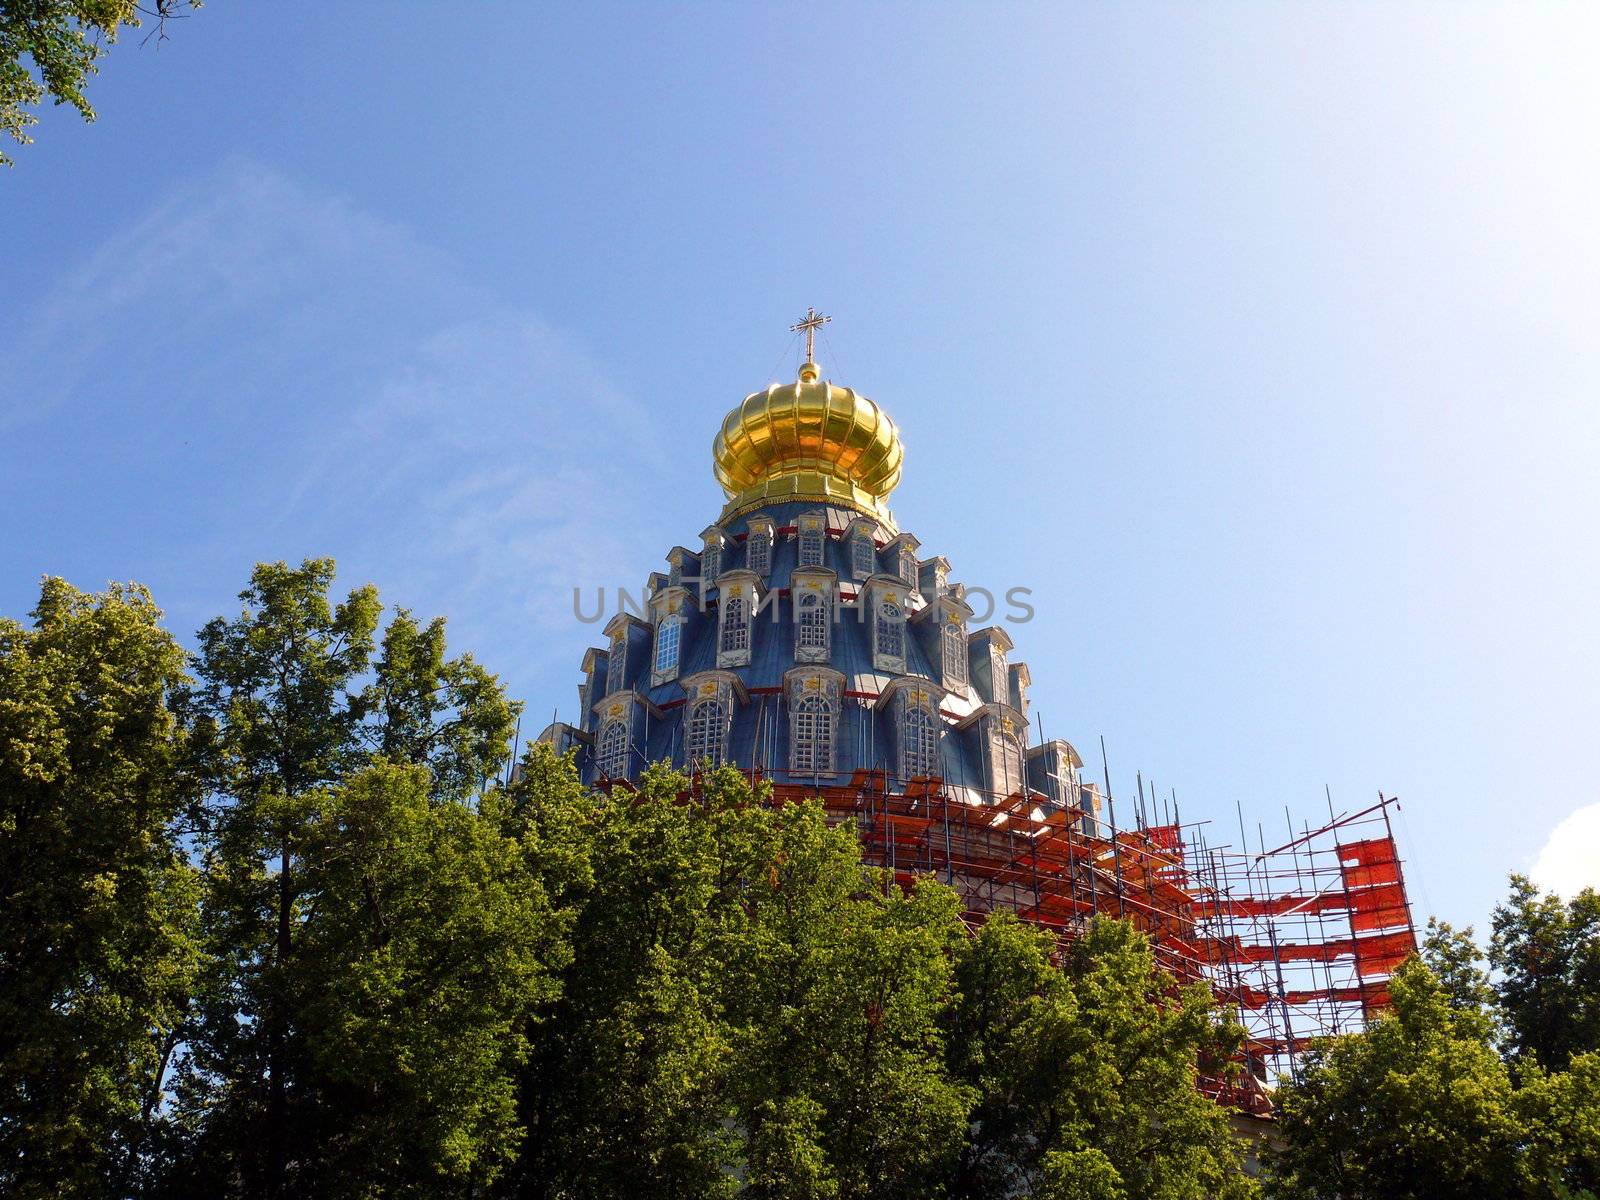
x: 277, y: 1095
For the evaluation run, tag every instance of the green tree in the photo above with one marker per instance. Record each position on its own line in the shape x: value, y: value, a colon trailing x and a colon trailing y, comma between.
x: 1088, y: 1073
x: 1453, y: 957
x: 1562, y: 1113
x: 97, y: 902
x: 1417, y: 1106
x: 743, y: 998
x: 292, y: 706
x: 840, y: 1084
x: 1546, y: 953
x: 51, y: 47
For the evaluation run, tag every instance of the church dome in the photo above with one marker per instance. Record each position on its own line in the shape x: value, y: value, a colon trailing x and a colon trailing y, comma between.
x: 808, y: 440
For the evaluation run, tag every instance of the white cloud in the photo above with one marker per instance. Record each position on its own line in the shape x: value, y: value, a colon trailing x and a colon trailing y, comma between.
x: 1570, y: 859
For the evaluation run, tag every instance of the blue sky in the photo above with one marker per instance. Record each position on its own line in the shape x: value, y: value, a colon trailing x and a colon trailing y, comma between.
x: 1259, y: 341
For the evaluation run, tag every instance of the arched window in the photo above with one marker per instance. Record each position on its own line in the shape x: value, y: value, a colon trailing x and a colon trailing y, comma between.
x: 758, y: 553
x: 617, y: 667
x: 735, y: 625
x: 919, y: 743
x: 711, y: 562
x: 811, y: 740
x: 863, y: 556
x: 708, y: 733
x: 669, y: 639
x: 811, y: 626
x: 811, y: 536
x: 908, y: 568
x: 955, y: 653
x: 891, y: 630
x: 1005, y: 755
x: 612, y: 755
x: 999, y: 677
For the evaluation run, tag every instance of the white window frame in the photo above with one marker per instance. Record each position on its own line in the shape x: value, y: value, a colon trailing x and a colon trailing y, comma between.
x: 669, y: 635
x: 863, y: 556
x: 953, y: 648
x: 919, y: 742
x: 813, y: 730
x: 812, y: 625
x: 889, y: 615
x: 733, y: 637
x: 611, y: 749
x: 702, y: 740
x: 813, y: 542
x: 711, y: 562
x: 763, y: 543
x: 617, y: 663
x: 1006, y: 763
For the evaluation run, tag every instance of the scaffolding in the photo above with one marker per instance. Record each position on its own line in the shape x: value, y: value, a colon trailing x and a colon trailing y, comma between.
x: 1300, y: 939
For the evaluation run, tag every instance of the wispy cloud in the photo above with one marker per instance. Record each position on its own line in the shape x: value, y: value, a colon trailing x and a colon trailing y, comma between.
x: 258, y: 368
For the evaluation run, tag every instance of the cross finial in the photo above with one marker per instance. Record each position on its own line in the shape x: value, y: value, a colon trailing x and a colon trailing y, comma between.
x: 813, y: 322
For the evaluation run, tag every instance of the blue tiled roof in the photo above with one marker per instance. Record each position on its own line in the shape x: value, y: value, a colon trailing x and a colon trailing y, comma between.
x: 759, y: 735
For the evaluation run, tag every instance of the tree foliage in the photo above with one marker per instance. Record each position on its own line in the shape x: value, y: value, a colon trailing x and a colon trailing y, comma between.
x: 1088, y: 1074
x: 97, y: 901
x: 275, y: 928
x: 1446, y: 1097
x: 1546, y: 952
x: 347, y: 890
x: 49, y: 48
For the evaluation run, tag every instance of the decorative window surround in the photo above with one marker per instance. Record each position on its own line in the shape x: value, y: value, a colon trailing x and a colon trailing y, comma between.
x: 711, y: 698
x: 811, y: 591
x: 910, y: 707
x: 919, y: 743
x: 611, y: 753
x: 953, y: 650
x: 671, y: 609
x: 1020, y: 681
x: 888, y: 627
x: 862, y: 542
x: 737, y: 605
x: 683, y: 564
x: 669, y: 645
x: 1053, y: 772
x: 814, y: 696
x: 706, y: 734
x: 901, y: 554
x: 997, y: 732
x: 758, y: 546
x: 986, y: 664
x: 712, y: 556
x: 628, y: 637
x: 1005, y: 758
x: 812, y: 531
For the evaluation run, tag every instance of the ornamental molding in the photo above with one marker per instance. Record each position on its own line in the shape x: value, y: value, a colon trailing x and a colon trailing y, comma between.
x: 723, y: 684
x: 1010, y: 720
x: 918, y: 689
x: 618, y: 704
x: 624, y: 621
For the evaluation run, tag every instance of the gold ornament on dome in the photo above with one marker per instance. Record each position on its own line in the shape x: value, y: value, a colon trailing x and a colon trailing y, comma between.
x: 808, y: 440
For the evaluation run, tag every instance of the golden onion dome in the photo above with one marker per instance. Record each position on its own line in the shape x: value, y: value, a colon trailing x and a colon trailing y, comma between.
x: 808, y: 440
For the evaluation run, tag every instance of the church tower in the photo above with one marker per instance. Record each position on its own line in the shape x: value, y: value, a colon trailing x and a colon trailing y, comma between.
x: 805, y: 637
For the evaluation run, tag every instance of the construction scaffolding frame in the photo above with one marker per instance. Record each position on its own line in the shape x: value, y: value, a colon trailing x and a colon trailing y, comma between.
x: 1300, y: 938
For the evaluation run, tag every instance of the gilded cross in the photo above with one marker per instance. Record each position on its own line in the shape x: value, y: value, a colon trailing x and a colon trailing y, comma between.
x: 813, y: 322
